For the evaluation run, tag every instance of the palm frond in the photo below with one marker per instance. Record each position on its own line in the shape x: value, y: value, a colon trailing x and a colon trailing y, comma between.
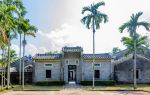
x: 30, y: 33
x: 97, y: 5
x: 86, y: 9
x: 137, y: 15
x: 146, y: 25
x: 142, y: 50
x: 124, y: 26
x: 102, y: 16
x: 87, y: 20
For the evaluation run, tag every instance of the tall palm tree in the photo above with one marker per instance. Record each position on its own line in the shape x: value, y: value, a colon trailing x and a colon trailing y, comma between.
x: 131, y: 27
x: 92, y: 21
x: 20, y: 31
x: 22, y: 11
x: 7, y: 29
x: 29, y: 30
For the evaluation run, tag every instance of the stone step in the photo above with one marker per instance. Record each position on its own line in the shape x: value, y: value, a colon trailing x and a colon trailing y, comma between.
x: 72, y: 84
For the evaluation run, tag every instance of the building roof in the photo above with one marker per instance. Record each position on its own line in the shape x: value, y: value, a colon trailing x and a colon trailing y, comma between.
x: 72, y: 49
x: 47, y: 56
x: 123, y: 59
x: 15, y: 66
x: 122, y: 53
x: 97, y: 56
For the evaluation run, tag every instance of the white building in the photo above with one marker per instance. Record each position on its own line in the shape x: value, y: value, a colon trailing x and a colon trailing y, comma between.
x: 71, y: 65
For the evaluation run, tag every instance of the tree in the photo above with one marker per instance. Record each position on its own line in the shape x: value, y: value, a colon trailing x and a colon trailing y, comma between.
x: 115, y: 50
x: 131, y: 27
x: 28, y: 29
x: 141, y: 44
x: 13, y: 56
x: 20, y: 25
x: 7, y: 29
x: 92, y: 21
x: 22, y: 11
x: 3, y: 62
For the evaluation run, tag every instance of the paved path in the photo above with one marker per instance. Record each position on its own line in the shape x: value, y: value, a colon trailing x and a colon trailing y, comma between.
x: 76, y: 92
x: 71, y: 85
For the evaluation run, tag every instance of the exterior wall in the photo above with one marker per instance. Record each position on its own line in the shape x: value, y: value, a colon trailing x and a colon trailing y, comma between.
x: 71, y: 57
x: 124, y: 71
x: 40, y: 71
x: 78, y: 69
x: 105, y: 70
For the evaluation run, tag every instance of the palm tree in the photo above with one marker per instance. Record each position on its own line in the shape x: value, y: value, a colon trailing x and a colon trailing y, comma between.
x: 22, y: 11
x: 131, y: 27
x: 141, y: 44
x: 28, y: 30
x: 92, y: 21
x: 7, y: 29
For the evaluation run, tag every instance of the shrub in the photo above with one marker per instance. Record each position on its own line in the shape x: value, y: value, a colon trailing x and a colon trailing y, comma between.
x: 50, y: 83
x: 98, y: 83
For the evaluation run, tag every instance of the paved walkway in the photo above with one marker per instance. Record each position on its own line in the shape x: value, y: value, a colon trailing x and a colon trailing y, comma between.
x: 72, y: 85
x: 76, y: 92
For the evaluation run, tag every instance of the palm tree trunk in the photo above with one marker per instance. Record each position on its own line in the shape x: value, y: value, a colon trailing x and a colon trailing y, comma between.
x: 4, y: 68
x: 20, y: 62
x: 93, y: 54
x: 134, y: 66
x: 8, y: 67
x: 23, y: 62
x: 2, y: 78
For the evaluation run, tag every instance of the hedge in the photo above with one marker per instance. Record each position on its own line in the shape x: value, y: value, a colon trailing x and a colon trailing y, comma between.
x: 98, y: 83
x: 50, y: 83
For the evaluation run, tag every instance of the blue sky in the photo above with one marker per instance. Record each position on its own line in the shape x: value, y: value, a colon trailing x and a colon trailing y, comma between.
x: 58, y: 23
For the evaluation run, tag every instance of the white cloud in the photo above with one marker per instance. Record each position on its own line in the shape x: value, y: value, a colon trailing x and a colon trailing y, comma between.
x: 30, y: 49
x: 16, y: 48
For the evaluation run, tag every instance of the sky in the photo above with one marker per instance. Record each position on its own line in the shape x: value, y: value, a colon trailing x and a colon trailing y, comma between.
x: 59, y: 25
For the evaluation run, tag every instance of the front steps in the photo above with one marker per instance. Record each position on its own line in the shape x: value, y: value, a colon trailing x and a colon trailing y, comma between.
x: 72, y: 84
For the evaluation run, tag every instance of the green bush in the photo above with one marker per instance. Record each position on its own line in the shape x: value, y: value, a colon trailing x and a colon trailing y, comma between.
x: 98, y: 83
x: 50, y: 83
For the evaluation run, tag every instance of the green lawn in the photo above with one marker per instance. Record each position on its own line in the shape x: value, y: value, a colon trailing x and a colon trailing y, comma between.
x: 143, y: 87
x: 33, y: 87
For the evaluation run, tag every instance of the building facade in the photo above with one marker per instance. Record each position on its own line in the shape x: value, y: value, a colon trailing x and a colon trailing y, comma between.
x: 123, y: 67
x: 71, y: 65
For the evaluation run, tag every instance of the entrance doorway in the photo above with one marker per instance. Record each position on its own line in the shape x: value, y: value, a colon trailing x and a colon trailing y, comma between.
x: 71, y: 72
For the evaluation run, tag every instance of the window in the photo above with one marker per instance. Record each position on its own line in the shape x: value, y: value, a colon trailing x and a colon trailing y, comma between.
x: 77, y: 61
x: 67, y: 61
x: 48, y: 73
x: 97, y: 65
x: 48, y: 65
x: 97, y: 73
x: 137, y: 74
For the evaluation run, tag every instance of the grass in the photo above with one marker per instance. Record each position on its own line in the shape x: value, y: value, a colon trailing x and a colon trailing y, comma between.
x: 144, y: 87
x: 32, y: 88
x: 38, y: 88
